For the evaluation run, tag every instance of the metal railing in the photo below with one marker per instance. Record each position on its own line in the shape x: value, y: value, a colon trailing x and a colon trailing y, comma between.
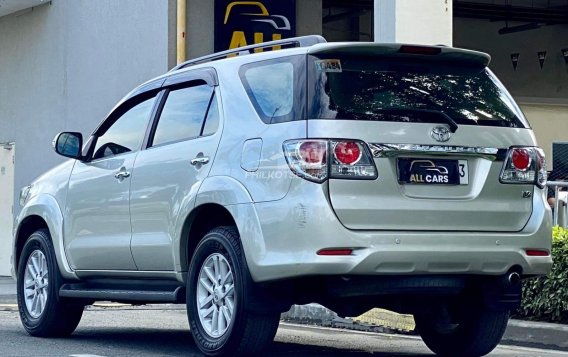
x: 557, y: 185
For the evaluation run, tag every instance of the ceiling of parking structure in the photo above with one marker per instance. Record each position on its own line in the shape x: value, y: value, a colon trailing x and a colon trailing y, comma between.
x: 545, y: 12
x: 535, y: 11
x: 10, y: 6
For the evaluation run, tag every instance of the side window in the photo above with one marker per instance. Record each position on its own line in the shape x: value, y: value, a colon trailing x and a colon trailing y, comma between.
x: 212, y: 121
x: 127, y: 133
x: 183, y: 114
x: 276, y: 88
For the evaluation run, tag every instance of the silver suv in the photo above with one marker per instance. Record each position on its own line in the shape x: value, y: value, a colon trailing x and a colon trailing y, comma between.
x: 355, y: 175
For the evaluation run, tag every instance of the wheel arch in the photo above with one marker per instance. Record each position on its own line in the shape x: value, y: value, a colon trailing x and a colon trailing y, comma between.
x: 221, y: 200
x: 200, y: 221
x: 29, y: 225
x: 41, y: 212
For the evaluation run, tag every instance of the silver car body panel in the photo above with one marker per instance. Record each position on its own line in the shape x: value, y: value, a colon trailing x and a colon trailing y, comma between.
x: 311, y: 224
x: 385, y: 204
x: 284, y: 220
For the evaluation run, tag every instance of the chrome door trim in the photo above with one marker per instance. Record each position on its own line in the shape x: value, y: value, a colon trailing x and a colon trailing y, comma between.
x: 393, y: 150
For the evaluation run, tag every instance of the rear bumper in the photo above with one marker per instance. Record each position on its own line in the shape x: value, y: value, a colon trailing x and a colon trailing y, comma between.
x: 293, y: 229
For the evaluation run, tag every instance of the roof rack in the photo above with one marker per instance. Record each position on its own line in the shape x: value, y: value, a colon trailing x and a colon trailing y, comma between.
x: 302, y: 41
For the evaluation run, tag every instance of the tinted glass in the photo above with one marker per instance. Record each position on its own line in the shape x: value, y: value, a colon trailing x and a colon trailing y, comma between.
x: 183, y: 114
x: 127, y: 133
x: 68, y: 144
x: 212, y: 120
x: 408, y: 91
x: 276, y: 88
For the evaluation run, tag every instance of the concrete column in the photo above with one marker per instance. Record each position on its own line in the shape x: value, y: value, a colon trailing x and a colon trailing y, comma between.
x: 427, y: 22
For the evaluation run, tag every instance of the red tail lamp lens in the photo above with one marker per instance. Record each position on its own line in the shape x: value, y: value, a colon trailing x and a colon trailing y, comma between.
x: 347, y: 152
x: 537, y: 253
x: 334, y: 252
x: 521, y: 159
x: 313, y: 152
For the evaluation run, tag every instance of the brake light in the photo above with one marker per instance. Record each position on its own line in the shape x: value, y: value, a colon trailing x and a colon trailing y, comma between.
x: 420, y: 50
x: 521, y: 159
x: 309, y: 159
x: 347, y: 152
x: 525, y: 165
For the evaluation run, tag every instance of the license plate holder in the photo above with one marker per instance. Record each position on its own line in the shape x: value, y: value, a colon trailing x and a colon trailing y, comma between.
x: 432, y: 171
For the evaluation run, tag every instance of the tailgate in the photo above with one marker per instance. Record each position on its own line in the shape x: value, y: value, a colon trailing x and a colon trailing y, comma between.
x: 387, y: 203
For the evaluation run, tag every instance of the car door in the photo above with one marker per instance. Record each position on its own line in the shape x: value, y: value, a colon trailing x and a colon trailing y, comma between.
x: 97, y: 218
x: 179, y: 154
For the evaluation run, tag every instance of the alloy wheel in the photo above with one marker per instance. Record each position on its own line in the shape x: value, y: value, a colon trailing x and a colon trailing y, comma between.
x: 36, y: 284
x: 215, y: 295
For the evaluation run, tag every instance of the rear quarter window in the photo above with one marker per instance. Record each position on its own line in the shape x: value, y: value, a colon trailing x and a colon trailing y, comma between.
x: 276, y: 88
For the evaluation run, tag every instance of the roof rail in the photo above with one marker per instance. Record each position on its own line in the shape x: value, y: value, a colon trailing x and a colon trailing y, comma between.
x: 302, y: 41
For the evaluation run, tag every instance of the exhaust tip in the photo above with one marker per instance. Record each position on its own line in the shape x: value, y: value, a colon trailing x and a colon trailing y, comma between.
x: 514, y: 278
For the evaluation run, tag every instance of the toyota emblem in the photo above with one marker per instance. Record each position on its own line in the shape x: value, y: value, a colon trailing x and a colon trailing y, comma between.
x: 440, y: 133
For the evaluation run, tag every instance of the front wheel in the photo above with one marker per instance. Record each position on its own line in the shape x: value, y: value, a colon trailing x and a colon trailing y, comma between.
x: 474, y: 333
x: 218, y: 299
x: 42, y: 312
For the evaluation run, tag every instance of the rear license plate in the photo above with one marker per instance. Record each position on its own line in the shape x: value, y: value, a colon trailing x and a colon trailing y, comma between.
x: 433, y: 171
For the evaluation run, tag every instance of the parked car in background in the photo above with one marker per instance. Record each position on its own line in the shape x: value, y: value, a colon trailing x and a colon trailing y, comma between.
x: 355, y: 175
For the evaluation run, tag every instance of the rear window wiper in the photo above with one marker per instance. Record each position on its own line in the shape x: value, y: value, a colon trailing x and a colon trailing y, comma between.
x: 443, y: 117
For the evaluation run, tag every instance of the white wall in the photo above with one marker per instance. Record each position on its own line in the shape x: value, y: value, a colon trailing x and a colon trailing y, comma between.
x: 64, y: 66
x: 6, y: 195
x: 426, y: 22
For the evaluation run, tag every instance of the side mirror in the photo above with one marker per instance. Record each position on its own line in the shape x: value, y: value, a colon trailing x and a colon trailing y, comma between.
x: 68, y: 144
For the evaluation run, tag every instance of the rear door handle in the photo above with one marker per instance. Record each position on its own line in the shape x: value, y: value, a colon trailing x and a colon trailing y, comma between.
x: 199, y: 160
x: 122, y: 174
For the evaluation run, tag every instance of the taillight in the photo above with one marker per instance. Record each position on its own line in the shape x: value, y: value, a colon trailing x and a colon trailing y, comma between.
x: 309, y: 159
x: 525, y: 165
x: 420, y: 50
x: 352, y: 159
x: 313, y: 152
x: 347, y: 152
x: 521, y: 159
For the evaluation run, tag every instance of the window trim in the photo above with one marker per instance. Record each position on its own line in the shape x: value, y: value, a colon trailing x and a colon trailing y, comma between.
x: 116, y: 114
x: 149, y: 141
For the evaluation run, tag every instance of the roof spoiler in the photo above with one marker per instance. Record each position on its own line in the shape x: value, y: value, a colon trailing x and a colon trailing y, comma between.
x: 432, y: 53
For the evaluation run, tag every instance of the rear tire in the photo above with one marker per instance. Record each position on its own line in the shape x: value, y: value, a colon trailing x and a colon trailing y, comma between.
x: 42, y: 312
x: 475, y: 334
x: 219, y: 306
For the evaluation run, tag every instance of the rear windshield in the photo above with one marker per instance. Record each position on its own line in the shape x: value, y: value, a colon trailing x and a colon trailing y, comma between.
x: 408, y: 91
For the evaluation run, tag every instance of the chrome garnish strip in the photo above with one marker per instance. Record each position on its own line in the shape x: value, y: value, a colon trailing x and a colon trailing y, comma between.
x: 391, y: 150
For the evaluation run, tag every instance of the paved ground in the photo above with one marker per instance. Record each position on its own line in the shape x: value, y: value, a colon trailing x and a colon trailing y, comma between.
x: 164, y: 332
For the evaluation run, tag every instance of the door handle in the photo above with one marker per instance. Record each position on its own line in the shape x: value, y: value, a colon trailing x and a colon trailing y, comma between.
x: 199, y: 160
x: 122, y: 174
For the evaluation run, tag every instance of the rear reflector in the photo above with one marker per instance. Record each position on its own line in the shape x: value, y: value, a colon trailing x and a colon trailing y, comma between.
x: 420, y: 50
x: 335, y: 252
x: 537, y: 253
